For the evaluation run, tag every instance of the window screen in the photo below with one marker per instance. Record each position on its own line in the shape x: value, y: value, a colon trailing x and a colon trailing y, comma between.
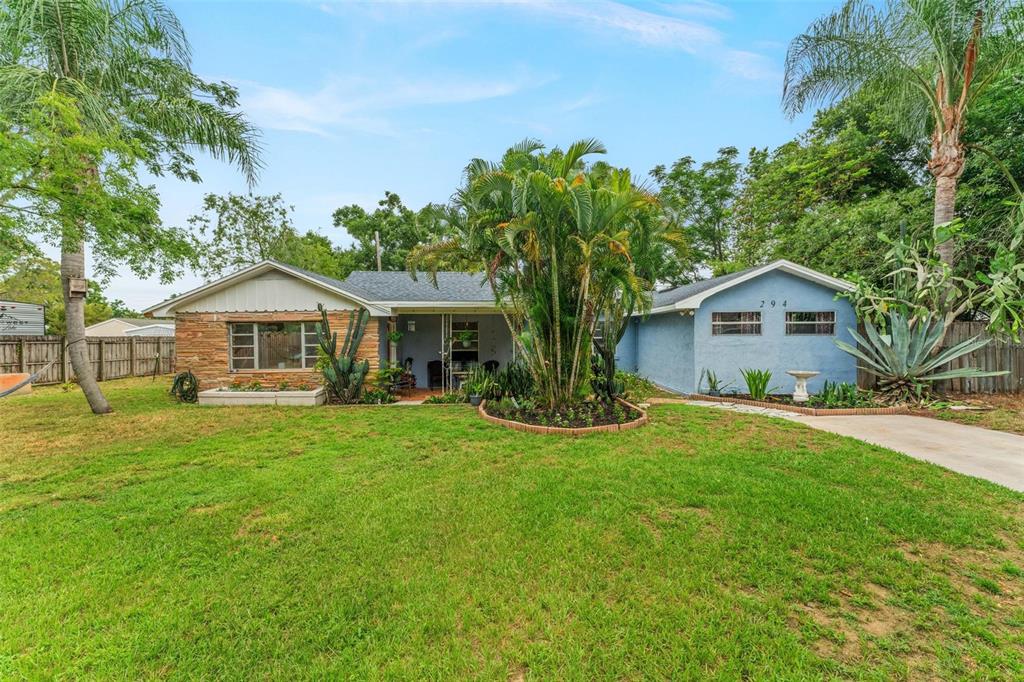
x: 723, y: 324
x: 811, y: 323
x: 273, y: 345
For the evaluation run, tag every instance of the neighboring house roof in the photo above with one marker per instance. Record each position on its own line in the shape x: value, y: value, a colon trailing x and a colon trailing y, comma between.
x: 350, y: 292
x: 128, y: 321
x: 151, y: 329
x: 390, y: 288
x: 690, y: 296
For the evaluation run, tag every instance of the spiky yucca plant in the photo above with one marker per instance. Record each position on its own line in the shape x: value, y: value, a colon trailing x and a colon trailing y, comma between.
x: 907, y: 360
x: 343, y: 372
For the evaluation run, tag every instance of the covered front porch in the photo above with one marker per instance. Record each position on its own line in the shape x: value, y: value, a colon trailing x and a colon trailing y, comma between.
x: 440, y: 348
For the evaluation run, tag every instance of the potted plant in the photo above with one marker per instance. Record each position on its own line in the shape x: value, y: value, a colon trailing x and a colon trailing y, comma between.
x: 465, y: 337
x: 394, y: 336
x: 715, y: 385
x: 478, y: 385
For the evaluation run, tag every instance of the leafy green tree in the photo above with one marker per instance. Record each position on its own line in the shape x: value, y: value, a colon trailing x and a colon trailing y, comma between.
x: 554, y: 241
x: 930, y: 60
x: 238, y: 230
x: 824, y: 198
x: 36, y: 279
x: 700, y: 200
x: 400, y: 230
x: 123, y: 67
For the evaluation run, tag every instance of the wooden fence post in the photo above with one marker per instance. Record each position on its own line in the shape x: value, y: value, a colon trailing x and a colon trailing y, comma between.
x: 131, y: 355
x: 22, y: 360
x: 66, y: 362
x: 101, y: 373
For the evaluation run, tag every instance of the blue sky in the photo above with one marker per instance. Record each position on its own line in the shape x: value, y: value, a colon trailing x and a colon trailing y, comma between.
x: 354, y: 99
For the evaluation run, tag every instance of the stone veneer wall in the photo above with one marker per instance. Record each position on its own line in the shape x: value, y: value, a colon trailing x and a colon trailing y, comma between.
x: 202, y: 346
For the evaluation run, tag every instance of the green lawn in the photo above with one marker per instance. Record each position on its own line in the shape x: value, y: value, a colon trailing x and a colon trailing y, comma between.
x: 176, y: 541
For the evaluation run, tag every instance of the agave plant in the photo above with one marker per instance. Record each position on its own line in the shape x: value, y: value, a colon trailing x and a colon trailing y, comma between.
x: 908, y: 360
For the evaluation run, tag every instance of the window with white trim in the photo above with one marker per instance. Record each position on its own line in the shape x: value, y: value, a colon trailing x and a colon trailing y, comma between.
x: 822, y: 323
x: 728, y: 324
x: 273, y: 345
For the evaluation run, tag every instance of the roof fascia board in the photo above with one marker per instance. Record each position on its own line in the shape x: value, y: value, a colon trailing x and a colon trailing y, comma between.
x: 694, y: 301
x: 168, y: 306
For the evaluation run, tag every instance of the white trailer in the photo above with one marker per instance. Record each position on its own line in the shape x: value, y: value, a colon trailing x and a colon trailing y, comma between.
x: 18, y: 318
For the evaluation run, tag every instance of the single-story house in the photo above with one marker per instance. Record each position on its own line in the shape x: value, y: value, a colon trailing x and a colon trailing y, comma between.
x: 258, y: 324
x: 131, y: 326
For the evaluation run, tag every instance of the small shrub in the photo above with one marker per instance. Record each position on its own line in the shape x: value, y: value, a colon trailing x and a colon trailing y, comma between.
x: 513, y: 380
x: 841, y: 394
x: 283, y: 385
x: 376, y: 396
x: 757, y: 382
x: 445, y: 399
x: 636, y: 387
x: 715, y: 385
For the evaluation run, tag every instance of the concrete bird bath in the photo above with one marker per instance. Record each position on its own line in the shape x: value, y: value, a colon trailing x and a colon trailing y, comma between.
x: 800, y: 390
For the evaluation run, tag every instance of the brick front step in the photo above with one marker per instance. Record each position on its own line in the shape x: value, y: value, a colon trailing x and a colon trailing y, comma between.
x: 810, y: 411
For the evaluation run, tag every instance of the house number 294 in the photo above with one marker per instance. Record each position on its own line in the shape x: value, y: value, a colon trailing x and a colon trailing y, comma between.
x: 771, y: 304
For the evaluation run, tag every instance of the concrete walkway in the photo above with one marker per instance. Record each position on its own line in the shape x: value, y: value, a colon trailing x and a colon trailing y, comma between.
x: 993, y: 455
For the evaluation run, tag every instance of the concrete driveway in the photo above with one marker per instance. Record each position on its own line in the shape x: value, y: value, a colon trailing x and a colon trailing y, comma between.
x: 992, y: 455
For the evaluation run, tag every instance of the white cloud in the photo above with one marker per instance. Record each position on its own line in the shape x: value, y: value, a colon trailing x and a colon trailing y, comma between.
x: 664, y: 29
x: 646, y: 28
x: 751, y: 66
x: 584, y: 102
x: 360, y: 103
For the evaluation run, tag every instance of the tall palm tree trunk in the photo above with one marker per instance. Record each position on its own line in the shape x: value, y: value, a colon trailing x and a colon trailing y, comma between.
x: 946, y: 165
x: 72, y: 266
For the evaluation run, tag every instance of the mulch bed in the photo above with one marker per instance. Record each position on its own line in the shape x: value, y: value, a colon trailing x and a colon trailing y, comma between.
x: 602, y: 417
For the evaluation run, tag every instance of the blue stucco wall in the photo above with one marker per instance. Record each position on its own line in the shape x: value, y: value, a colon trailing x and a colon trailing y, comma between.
x: 664, y: 350
x: 773, y: 349
x: 625, y: 352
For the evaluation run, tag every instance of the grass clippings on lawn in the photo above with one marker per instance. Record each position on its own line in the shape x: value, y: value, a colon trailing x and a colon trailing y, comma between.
x: 170, y: 540
x: 998, y: 411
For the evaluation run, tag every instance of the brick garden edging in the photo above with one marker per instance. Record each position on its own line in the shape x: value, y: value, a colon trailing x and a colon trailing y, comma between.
x: 562, y: 431
x: 810, y: 411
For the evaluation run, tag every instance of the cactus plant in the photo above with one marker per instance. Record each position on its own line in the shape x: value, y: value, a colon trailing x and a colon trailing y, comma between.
x: 343, y: 372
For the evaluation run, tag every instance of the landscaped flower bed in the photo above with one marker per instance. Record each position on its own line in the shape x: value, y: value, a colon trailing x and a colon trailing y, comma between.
x: 574, y: 420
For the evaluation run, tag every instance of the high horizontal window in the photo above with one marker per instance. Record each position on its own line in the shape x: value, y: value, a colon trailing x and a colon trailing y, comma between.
x: 821, y: 323
x: 723, y: 324
x: 273, y: 345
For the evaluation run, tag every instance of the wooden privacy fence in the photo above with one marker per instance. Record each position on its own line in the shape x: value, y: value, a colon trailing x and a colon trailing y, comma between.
x: 998, y: 355
x: 112, y: 357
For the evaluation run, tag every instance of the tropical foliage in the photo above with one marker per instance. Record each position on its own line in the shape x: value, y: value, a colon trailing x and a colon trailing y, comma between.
x: 113, y: 78
x: 907, y: 360
x: 558, y: 242
x: 930, y: 59
x: 919, y: 286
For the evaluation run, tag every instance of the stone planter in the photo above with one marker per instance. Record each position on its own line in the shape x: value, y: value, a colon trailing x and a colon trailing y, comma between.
x: 217, y: 396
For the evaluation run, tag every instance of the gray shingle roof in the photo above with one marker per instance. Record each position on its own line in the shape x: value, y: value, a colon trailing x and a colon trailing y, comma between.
x: 674, y: 295
x: 329, y: 281
x: 463, y: 287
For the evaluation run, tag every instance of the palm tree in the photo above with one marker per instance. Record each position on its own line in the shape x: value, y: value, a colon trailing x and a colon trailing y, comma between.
x: 126, y: 64
x: 553, y: 240
x: 931, y: 59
